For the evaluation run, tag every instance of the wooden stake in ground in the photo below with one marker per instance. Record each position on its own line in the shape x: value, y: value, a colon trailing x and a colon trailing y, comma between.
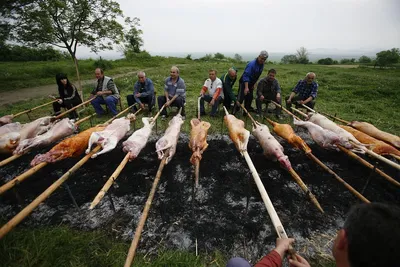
x: 28, y: 209
x: 32, y: 109
x: 139, y: 228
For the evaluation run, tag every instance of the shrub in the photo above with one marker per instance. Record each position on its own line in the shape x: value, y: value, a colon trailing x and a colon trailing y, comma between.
x: 102, y: 63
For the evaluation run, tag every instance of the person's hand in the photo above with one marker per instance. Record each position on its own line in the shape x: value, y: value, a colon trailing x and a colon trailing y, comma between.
x: 282, y: 245
x: 53, y: 97
x: 289, y: 101
x: 301, y: 262
x: 300, y: 102
x: 278, y: 97
x: 238, y: 103
x: 212, y: 102
x: 261, y: 97
x: 167, y: 104
x: 60, y: 101
x: 246, y: 90
x: 138, y: 95
x: 201, y: 95
x: 141, y: 105
x: 99, y: 93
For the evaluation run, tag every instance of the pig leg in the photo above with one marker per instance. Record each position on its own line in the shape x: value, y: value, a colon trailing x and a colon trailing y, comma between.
x: 107, y: 146
x: 94, y: 138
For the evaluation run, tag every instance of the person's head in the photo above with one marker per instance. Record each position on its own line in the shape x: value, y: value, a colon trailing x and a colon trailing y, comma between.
x: 212, y: 74
x: 174, y: 73
x: 232, y: 72
x: 61, y: 80
x: 370, y: 237
x: 271, y: 74
x: 262, y: 57
x: 99, y: 73
x: 141, y: 76
x: 310, y: 77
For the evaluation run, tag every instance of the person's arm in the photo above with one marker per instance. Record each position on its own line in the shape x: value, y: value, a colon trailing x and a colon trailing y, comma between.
x: 278, y: 90
x: 204, y: 89
x: 149, y: 89
x: 294, y: 91
x: 180, y: 88
x: 110, y: 89
x: 292, y: 94
x: 275, y: 257
x: 135, y: 93
x: 260, y: 90
x: 74, y: 92
x: 246, y: 78
x: 313, y: 94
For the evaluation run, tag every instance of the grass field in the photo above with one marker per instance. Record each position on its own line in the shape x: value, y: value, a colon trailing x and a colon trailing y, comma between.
x: 363, y: 94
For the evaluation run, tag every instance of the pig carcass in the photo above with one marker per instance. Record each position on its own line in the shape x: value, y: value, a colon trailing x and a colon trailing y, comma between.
x: 6, y: 119
x: 170, y: 139
x: 8, y: 142
x: 61, y: 129
x: 36, y: 127
x: 70, y: 147
x: 110, y: 136
x: 11, y: 127
x: 238, y: 134
x: 138, y: 140
x: 324, y: 138
x: 198, y: 139
x: 371, y: 130
x: 272, y: 149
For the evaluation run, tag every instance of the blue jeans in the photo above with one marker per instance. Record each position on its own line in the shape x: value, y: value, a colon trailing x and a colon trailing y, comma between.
x: 208, y: 98
x: 110, y: 101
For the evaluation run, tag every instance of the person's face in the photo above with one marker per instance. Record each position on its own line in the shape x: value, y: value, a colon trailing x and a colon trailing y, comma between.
x: 64, y: 81
x: 232, y: 74
x: 174, y: 74
x: 98, y: 74
x: 310, y: 78
x: 271, y: 76
x: 261, y: 60
x: 212, y: 75
x: 141, y: 78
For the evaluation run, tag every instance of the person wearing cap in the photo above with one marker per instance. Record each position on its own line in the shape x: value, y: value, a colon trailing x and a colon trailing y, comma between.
x: 228, y: 80
x: 304, y: 93
x: 212, y: 93
x: 268, y: 89
x: 249, y: 78
x: 69, y: 96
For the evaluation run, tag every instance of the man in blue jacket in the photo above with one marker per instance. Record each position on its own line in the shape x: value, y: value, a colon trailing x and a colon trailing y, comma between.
x: 143, y: 92
x: 249, y: 78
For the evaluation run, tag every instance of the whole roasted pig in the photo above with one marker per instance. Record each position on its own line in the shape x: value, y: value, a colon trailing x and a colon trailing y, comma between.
x: 170, y: 139
x: 198, y: 139
x: 238, y: 134
x: 138, y: 140
x: 70, y: 147
x: 61, y: 129
x: 272, y: 149
x: 8, y: 142
x: 11, y: 127
x: 324, y: 138
x: 36, y: 127
x: 6, y: 119
x: 371, y: 130
x: 110, y: 136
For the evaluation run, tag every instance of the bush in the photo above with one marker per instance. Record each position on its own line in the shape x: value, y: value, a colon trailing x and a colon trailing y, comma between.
x: 189, y: 56
x: 325, y: 61
x: 207, y: 57
x: 364, y: 59
x: 102, y: 63
x: 23, y: 53
x: 219, y: 56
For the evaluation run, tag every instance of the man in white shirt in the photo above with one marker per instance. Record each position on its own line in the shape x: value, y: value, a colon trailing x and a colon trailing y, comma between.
x: 212, y: 93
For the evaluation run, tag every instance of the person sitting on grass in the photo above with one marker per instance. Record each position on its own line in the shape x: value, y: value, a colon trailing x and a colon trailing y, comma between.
x: 212, y: 93
x: 370, y: 237
x: 143, y: 92
x: 304, y: 93
x: 268, y: 89
x: 105, y: 92
x: 228, y: 81
x: 69, y: 96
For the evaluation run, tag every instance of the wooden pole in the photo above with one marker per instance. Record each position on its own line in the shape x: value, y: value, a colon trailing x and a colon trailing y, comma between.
x: 122, y: 112
x: 161, y: 109
x: 139, y: 228
x: 28, y: 209
x: 198, y: 107
x: 308, y: 108
x: 300, y: 112
x: 377, y: 156
x: 287, y: 111
x: 21, y: 177
x: 255, y: 123
x: 349, y: 187
x: 303, y: 186
x: 110, y: 181
x: 369, y: 165
x: 32, y: 109
x: 85, y: 119
x: 333, y: 117
x: 72, y: 109
x: 268, y: 203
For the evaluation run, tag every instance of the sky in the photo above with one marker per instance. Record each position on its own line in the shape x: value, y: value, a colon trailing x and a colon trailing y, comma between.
x: 238, y: 26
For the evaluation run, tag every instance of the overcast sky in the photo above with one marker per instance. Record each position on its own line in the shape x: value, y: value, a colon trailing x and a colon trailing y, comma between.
x: 277, y: 26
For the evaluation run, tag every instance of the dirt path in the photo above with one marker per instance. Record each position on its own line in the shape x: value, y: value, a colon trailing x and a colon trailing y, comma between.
x: 17, y: 95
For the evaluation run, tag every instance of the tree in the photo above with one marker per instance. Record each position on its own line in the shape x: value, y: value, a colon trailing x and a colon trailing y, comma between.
x: 238, y: 57
x: 302, y: 55
x: 388, y: 57
x: 325, y: 61
x: 219, y: 56
x: 289, y: 59
x: 364, y: 59
x: 132, y: 37
x: 66, y: 24
x: 189, y: 56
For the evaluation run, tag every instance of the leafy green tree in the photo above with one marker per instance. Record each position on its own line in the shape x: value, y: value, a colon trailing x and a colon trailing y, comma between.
x: 219, y: 56
x: 388, y: 57
x: 132, y: 37
x: 302, y: 55
x: 325, y: 61
x: 189, y: 56
x: 289, y: 59
x: 238, y: 57
x: 66, y: 24
x: 364, y: 59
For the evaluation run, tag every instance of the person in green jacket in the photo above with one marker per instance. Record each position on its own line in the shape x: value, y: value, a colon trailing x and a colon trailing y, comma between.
x: 228, y: 80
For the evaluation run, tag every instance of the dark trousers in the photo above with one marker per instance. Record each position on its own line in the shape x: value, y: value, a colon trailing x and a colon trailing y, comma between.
x: 296, y: 98
x: 150, y: 100
x: 208, y: 99
x: 267, y: 100
x: 68, y: 104
x: 178, y: 102
x: 246, y: 98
